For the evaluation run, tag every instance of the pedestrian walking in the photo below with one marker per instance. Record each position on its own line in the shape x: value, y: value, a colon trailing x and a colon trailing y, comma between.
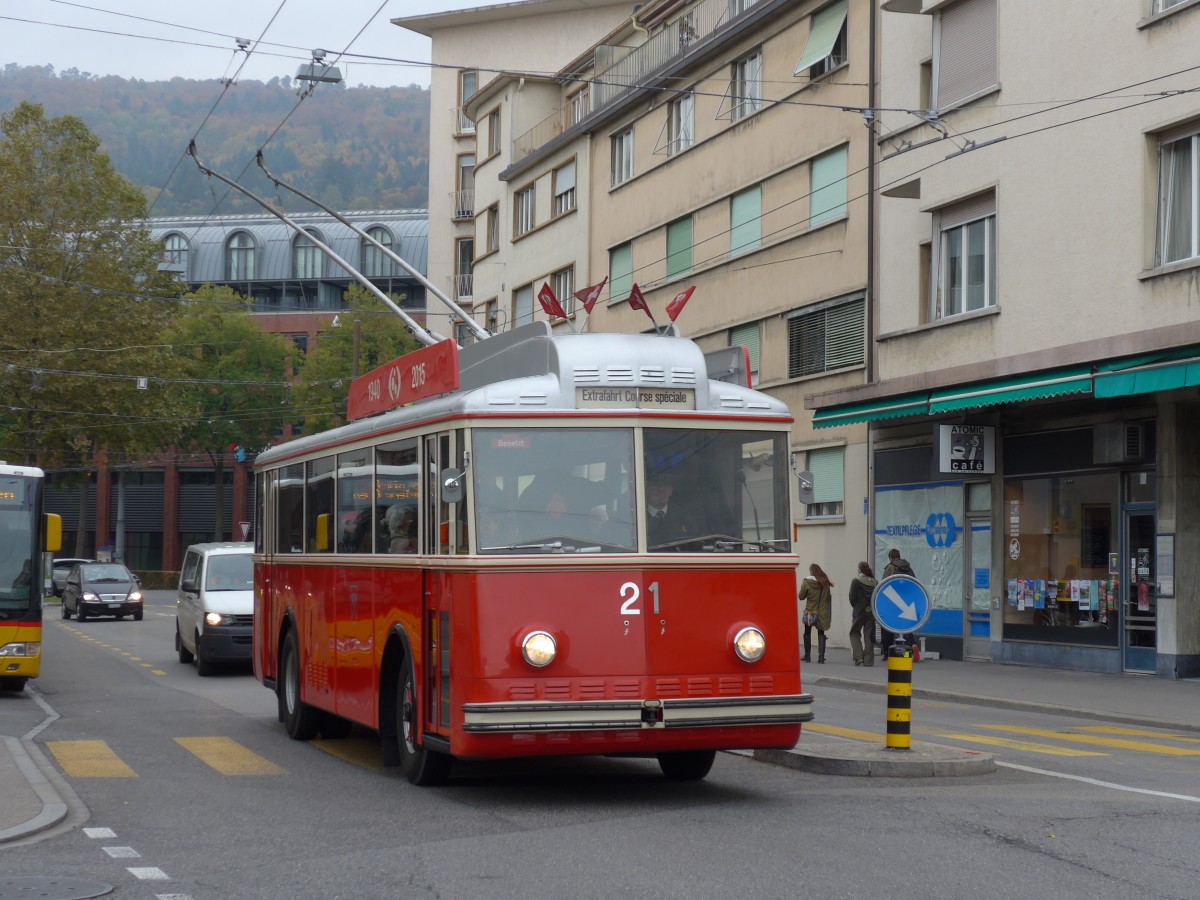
x: 815, y: 592
x: 862, y: 622
x: 897, y: 565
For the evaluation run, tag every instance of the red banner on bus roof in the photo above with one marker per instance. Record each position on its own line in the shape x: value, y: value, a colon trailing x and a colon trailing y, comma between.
x: 423, y: 373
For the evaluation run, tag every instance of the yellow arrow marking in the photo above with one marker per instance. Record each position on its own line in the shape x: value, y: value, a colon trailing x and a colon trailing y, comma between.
x: 89, y: 759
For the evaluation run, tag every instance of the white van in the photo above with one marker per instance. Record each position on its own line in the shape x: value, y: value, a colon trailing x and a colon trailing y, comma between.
x: 214, y: 612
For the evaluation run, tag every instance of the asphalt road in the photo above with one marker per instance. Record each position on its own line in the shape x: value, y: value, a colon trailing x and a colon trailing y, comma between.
x: 195, y: 780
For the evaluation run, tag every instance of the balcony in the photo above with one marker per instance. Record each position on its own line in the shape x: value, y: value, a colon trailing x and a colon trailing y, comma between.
x: 464, y: 287
x: 463, y: 204
x: 462, y: 125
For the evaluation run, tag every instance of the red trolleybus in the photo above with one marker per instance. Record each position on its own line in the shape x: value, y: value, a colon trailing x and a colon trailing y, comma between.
x: 24, y: 533
x: 477, y: 575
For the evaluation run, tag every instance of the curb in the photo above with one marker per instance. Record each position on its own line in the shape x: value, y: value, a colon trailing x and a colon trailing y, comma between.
x: 54, y: 810
x: 849, y: 758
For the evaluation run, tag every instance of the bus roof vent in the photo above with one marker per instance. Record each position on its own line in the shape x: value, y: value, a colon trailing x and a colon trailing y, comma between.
x: 731, y: 401
x: 618, y: 375
x: 685, y: 377
x: 586, y: 375
x: 653, y: 375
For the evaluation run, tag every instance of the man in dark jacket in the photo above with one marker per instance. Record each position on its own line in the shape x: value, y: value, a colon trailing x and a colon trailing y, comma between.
x: 897, y: 565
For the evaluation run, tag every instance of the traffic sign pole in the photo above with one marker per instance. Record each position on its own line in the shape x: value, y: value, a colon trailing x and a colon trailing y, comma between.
x: 901, y: 605
x: 899, y: 697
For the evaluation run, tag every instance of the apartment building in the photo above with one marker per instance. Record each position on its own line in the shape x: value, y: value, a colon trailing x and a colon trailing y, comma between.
x: 718, y: 144
x: 1034, y: 417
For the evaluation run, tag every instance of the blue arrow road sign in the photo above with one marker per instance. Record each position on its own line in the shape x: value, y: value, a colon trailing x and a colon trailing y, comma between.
x: 900, y: 604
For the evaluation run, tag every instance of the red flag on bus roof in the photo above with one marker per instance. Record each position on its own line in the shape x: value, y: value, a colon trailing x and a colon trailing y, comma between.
x: 549, y: 302
x: 589, y: 295
x: 637, y: 301
x: 675, y: 307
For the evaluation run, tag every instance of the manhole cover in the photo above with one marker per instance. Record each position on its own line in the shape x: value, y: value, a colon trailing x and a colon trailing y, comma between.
x: 49, y: 887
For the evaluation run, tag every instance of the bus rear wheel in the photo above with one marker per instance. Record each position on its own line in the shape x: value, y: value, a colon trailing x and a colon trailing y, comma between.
x: 299, y: 719
x: 420, y: 766
x: 686, y: 765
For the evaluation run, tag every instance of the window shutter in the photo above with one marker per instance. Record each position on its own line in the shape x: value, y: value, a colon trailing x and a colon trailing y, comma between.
x: 745, y: 211
x: 968, y: 211
x: 844, y: 329
x: 620, y: 272
x: 679, y: 247
x: 826, y: 26
x: 564, y: 178
x: 828, y: 199
x: 826, y: 466
x: 966, y: 59
x: 523, y: 306
x: 750, y: 337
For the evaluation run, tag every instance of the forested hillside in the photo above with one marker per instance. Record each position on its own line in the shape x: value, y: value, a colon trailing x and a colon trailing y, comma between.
x: 354, y: 148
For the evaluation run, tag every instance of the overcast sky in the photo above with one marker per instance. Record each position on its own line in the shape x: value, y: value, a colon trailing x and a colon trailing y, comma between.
x: 117, y: 37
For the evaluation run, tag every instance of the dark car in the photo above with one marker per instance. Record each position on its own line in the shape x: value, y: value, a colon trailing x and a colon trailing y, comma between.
x: 59, y: 570
x: 101, y: 589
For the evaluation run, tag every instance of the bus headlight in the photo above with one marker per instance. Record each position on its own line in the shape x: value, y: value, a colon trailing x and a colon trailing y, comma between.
x: 538, y: 648
x: 25, y: 648
x: 750, y: 645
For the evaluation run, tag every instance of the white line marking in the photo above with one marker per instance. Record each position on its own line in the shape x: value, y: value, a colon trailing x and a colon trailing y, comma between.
x: 122, y: 852
x: 100, y: 832
x: 149, y: 873
x: 1103, y: 784
x: 172, y: 897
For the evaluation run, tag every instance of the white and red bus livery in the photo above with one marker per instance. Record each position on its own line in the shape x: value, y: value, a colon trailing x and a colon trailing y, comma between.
x: 483, y: 573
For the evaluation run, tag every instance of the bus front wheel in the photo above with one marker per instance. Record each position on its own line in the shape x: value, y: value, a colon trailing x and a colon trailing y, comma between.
x: 299, y: 719
x: 12, y: 683
x: 687, y: 765
x: 420, y: 766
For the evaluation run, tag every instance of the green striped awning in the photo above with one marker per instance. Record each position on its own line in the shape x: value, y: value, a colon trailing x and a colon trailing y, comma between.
x: 886, y: 408
x: 1036, y: 386
x: 1150, y: 372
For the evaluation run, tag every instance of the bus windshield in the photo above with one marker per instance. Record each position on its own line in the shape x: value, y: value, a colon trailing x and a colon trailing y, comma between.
x: 17, y: 565
x: 573, y: 490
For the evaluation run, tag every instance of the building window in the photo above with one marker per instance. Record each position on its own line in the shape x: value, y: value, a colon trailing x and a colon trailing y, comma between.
x: 827, y: 466
x: 620, y: 272
x: 523, y: 211
x: 239, y: 257
x: 681, y: 126
x: 685, y: 27
x: 306, y: 257
x: 300, y: 341
x: 745, y: 217
x: 1179, y: 199
x: 464, y: 182
x: 828, y: 198
x: 464, y: 253
x: 564, y: 188
x: 826, y: 46
x: 964, y: 51
x: 468, y: 83
x: 966, y: 263
x: 175, y: 251
x: 493, y: 229
x: 579, y: 104
x: 679, y: 247
x: 622, y: 157
x: 523, y: 306
x: 750, y: 337
x: 564, y: 289
x: 746, y: 86
x: 1162, y: 5
x: 740, y: 6
x: 493, y: 120
x: 830, y: 337
x: 376, y: 263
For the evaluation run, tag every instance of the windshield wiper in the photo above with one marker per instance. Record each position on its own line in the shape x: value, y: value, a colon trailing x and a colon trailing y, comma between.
x: 716, y: 543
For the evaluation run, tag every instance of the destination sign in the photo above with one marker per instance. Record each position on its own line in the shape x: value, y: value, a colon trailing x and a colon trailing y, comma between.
x: 634, y: 398
x: 423, y: 373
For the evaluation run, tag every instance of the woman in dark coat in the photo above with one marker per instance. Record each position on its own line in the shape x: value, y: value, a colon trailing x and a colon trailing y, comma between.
x: 862, y: 622
x: 816, y: 595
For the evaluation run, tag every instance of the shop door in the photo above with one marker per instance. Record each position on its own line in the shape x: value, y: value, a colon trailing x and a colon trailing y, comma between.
x: 1139, y: 606
x: 977, y: 616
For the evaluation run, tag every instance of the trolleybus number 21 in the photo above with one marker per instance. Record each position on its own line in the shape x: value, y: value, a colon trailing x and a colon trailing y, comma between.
x: 631, y: 594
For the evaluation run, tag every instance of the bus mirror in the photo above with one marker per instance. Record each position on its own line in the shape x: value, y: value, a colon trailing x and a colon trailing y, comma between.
x: 53, y: 533
x: 806, y: 487
x: 321, y: 538
x: 452, y: 490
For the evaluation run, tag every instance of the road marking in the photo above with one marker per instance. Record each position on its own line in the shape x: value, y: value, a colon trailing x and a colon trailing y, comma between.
x: 359, y: 752
x: 157, y: 672
x: 1009, y: 743
x: 228, y: 756
x: 89, y: 759
x: 122, y: 852
x: 149, y: 873
x: 1098, y: 783
x: 1138, y: 732
x: 837, y: 731
x: 1139, y: 746
x: 99, y: 833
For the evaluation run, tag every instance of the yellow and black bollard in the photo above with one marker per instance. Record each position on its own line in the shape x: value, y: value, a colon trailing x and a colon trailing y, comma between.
x: 899, y: 697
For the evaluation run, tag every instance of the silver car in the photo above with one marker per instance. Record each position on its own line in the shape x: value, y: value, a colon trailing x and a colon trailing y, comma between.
x: 59, y: 570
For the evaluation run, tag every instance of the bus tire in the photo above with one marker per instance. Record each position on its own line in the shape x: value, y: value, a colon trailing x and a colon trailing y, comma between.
x: 185, y: 655
x: 420, y: 766
x: 13, y: 683
x: 299, y: 719
x: 686, y: 765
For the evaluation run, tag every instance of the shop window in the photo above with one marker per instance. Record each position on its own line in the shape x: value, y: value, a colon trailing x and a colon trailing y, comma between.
x: 1058, y: 585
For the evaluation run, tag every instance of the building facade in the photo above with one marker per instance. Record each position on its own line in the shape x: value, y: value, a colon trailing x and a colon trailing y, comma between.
x: 298, y: 292
x: 1033, y: 421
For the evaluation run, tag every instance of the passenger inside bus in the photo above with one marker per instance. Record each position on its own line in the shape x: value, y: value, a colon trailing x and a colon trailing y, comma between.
x: 401, y: 529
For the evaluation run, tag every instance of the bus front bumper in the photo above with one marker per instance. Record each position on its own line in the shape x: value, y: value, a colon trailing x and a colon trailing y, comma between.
x: 621, y: 715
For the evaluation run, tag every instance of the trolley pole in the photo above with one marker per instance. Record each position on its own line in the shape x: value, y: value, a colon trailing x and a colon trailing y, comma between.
x: 899, y: 697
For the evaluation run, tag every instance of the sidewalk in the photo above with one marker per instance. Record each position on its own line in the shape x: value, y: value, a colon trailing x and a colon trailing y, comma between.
x: 29, y: 802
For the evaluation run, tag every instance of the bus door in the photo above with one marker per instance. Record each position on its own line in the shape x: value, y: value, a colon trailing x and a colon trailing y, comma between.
x: 445, y: 535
